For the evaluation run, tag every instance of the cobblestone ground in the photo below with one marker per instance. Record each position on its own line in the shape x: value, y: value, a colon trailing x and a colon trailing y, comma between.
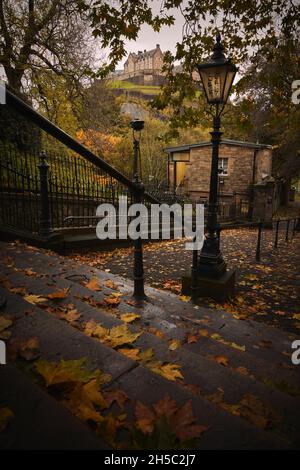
x: 267, y: 291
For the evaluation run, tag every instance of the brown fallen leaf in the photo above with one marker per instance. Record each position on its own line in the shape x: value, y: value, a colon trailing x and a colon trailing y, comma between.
x: 144, y: 418
x: 111, y: 285
x: 82, y: 399
x: 178, y: 421
x: 243, y: 371
x: 222, y: 360
x: 203, y: 333
x: 95, y: 329
x: 183, y: 423
x: 93, y: 285
x: 18, y: 290
x: 71, y: 316
x: 118, y: 396
x: 29, y: 272
x: 166, y: 406
x: 5, y: 323
x: 28, y: 349
x: 192, y: 339
x: 59, y: 295
x: 156, y: 332
x: 133, y: 353
x: 111, y: 301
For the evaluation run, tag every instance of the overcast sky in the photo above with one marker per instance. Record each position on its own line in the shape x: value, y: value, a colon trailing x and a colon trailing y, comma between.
x: 166, y: 38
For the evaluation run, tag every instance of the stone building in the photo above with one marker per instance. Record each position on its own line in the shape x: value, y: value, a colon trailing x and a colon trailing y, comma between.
x: 243, y: 167
x: 144, y: 68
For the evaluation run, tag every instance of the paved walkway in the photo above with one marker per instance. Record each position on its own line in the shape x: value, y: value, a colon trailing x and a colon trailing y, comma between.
x: 267, y: 291
x: 159, y: 375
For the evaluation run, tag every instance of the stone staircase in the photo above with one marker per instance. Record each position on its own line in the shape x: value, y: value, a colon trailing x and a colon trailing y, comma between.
x: 238, y: 374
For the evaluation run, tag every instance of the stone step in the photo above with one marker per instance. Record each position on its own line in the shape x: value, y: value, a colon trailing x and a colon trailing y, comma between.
x: 164, y: 312
x: 204, y: 372
x: 159, y: 315
x: 39, y: 422
x: 233, y: 330
x: 60, y: 340
x: 275, y: 371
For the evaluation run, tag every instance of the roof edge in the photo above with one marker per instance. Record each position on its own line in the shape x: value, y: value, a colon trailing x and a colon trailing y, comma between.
x: 235, y: 143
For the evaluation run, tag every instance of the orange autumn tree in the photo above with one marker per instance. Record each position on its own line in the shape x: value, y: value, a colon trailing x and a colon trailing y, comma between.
x: 102, y: 144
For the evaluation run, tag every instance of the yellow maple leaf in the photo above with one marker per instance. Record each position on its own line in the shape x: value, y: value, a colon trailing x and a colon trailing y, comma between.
x: 71, y: 316
x: 185, y: 298
x: 174, y: 344
x: 111, y: 285
x: 130, y: 317
x: 120, y: 335
x: 64, y: 371
x: 95, y: 329
x: 35, y: 299
x: 170, y: 371
x: 131, y: 353
x: 237, y: 346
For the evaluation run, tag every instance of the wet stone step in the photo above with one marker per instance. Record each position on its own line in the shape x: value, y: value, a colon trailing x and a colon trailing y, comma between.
x: 39, y: 422
x: 203, y: 346
x: 57, y: 339
x: 165, y: 306
x: 224, y: 431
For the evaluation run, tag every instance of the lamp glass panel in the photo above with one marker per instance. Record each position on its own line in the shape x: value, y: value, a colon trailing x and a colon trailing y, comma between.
x: 228, y: 83
x: 213, y: 79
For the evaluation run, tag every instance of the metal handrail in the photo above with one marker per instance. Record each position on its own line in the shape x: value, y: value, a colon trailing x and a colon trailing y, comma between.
x: 27, y: 111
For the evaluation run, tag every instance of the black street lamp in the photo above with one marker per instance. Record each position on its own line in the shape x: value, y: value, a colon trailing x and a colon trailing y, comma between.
x: 138, y: 269
x: 217, y: 77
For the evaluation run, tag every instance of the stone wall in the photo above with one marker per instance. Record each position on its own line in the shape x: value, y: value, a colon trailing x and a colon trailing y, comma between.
x: 240, y: 169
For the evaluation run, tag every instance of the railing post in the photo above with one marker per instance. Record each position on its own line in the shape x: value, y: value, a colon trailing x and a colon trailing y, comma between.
x: 45, y: 228
x: 194, y: 274
x: 276, y: 234
x: 257, y: 256
x: 287, y: 231
x: 294, y: 225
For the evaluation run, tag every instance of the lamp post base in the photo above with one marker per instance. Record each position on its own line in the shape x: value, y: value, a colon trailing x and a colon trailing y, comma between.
x: 211, y: 266
x: 218, y: 289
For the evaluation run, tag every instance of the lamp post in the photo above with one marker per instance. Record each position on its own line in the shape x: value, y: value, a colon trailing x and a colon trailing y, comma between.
x: 217, y: 77
x: 138, y: 270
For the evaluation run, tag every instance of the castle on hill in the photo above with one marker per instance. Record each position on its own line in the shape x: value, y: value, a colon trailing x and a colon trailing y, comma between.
x: 143, y: 68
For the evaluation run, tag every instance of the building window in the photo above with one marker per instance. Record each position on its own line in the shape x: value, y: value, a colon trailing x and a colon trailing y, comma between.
x: 223, y: 166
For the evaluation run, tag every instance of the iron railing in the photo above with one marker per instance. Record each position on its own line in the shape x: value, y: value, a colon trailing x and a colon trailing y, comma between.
x: 73, y: 179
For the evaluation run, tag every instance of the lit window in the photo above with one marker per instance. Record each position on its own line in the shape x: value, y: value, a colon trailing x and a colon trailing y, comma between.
x: 223, y: 166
